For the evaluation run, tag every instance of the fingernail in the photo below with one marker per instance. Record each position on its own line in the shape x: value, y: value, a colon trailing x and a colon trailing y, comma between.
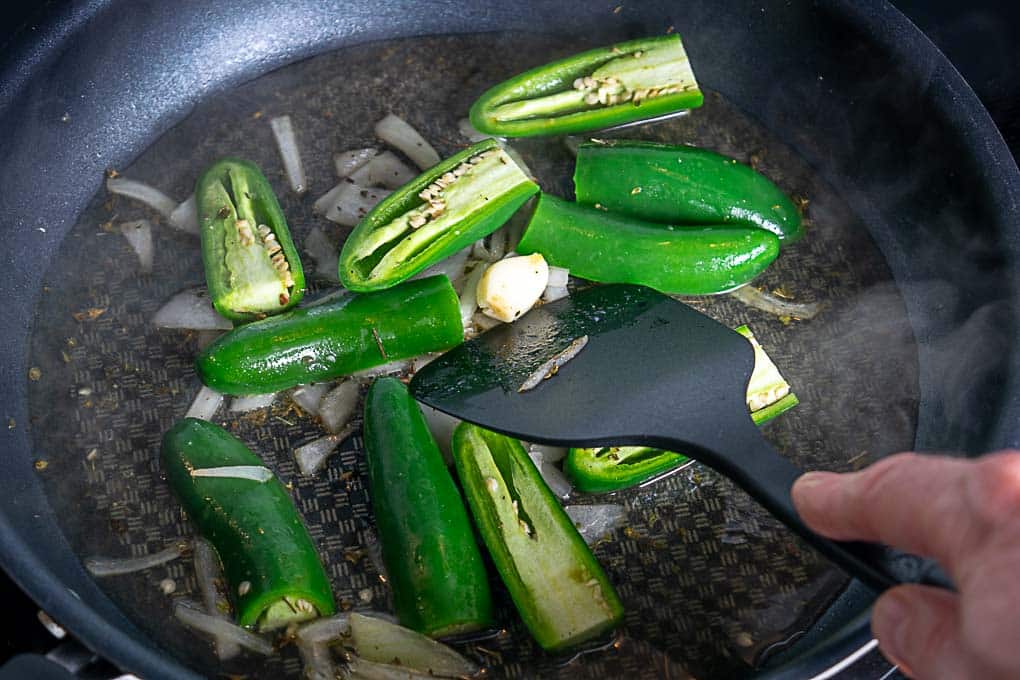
x: 811, y: 480
x: 889, y: 624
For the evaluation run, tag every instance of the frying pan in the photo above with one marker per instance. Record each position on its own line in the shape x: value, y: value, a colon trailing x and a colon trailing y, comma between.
x: 853, y: 88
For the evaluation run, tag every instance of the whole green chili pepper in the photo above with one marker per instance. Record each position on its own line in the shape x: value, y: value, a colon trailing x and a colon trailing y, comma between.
x: 681, y: 185
x: 559, y: 588
x: 626, y: 82
x: 251, y: 265
x: 313, y: 344
x: 446, y: 208
x: 612, y: 248
x: 269, y: 561
x: 435, y: 569
x: 611, y: 468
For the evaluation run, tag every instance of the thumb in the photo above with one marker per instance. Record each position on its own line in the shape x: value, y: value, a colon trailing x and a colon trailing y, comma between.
x: 917, y: 628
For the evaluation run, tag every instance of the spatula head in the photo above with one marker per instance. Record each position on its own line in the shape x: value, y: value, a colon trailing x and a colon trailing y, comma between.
x: 654, y: 371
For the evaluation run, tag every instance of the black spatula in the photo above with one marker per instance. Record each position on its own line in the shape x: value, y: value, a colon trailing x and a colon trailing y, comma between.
x: 654, y: 372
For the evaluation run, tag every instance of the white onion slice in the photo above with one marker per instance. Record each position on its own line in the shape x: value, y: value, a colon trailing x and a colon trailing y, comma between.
x: 326, y: 629
x: 185, y: 216
x: 772, y: 304
x: 220, y: 629
x: 252, y: 402
x: 286, y: 142
x: 558, y: 276
x: 555, y: 479
x: 308, y: 397
x: 469, y: 297
x: 325, y: 253
x: 205, y: 405
x: 312, y: 456
x: 484, y: 322
x: 347, y: 203
x: 207, y: 573
x: 254, y: 473
x: 548, y: 454
x: 139, y: 236
x: 383, y: 642
x: 191, y: 309
x: 317, y: 660
x: 116, y: 566
x: 554, y: 293
x: 452, y: 267
x: 339, y: 405
x: 398, y: 366
x: 469, y: 132
x: 383, y: 170
x: 491, y: 248
x: 347, y: 162
x: 144, y: 193
x: 441, y: 425
x: 396, y: 132
x: 595, y: 522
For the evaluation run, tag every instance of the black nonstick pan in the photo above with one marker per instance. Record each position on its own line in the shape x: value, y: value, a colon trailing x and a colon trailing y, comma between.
x: 912, y: 246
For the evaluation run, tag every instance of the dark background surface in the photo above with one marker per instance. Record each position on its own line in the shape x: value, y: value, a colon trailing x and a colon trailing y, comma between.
x: 981, y: 38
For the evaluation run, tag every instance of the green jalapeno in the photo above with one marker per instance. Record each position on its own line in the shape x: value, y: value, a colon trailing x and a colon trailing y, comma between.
x: 251, y: 265
x: 623, y: 83
x: 611, y: 468
x: 612, y: 248
x: 446, y: 208
x: 681, y: 185
x: 269, y: 561
x: 313, y: 344
x: 559, y: 588
x: 432, y: 559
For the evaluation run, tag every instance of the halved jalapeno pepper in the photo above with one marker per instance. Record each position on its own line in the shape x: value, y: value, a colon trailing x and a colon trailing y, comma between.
x: 681, y: 185
x: 623, y: 83
x: 251, y: 265
x: 446, y: 208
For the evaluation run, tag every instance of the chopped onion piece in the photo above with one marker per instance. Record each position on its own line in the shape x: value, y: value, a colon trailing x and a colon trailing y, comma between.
x: 312, y: 456
x: 491, y: 248
x: 384, y: 170
x: 554, y: 293
x: 339, y: 405
x: 451, y: 267
x: 205, y: 405
x: 326, y: 629
x: 347, y: 162
x: 220, y: 629
x: 254, y: 473
x: 347, y: 203
x: 484, y: 322
x: 398, y: 133
x: 468, y: 131
x: 286, y: 142
x: 317, y: 659
x: 595, y: 522
x: 207, y: 573
x: 383, y: 642
x: 469, y: 297
x: 308, y: 397
x: 139, y: 236
x: 325, y: 253
x: 423, y: 360
x: 556, y: 480
x: 549, y: 454
x: 441, y: 425
x: 116, y: 566
x: 766, y: 302
x: 558, y: 276
x: 150, y: 196
x: 185, y: 216
x: 398, y: 366
x: 191, y: 309
x: 252, y: 402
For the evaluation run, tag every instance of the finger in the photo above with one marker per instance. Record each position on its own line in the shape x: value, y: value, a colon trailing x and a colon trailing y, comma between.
x: 917, y: 628
x: 929, y: 505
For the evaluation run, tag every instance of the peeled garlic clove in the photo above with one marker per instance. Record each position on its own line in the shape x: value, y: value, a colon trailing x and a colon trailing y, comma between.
x: 511, y: 287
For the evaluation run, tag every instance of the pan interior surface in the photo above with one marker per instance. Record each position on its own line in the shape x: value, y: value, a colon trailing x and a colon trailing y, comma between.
x: 712, y: 585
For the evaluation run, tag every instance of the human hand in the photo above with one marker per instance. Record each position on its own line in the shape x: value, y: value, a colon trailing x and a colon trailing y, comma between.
x: 963, y: 513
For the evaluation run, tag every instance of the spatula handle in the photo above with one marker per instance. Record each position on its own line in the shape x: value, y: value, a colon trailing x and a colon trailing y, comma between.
x: 768, y: 477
